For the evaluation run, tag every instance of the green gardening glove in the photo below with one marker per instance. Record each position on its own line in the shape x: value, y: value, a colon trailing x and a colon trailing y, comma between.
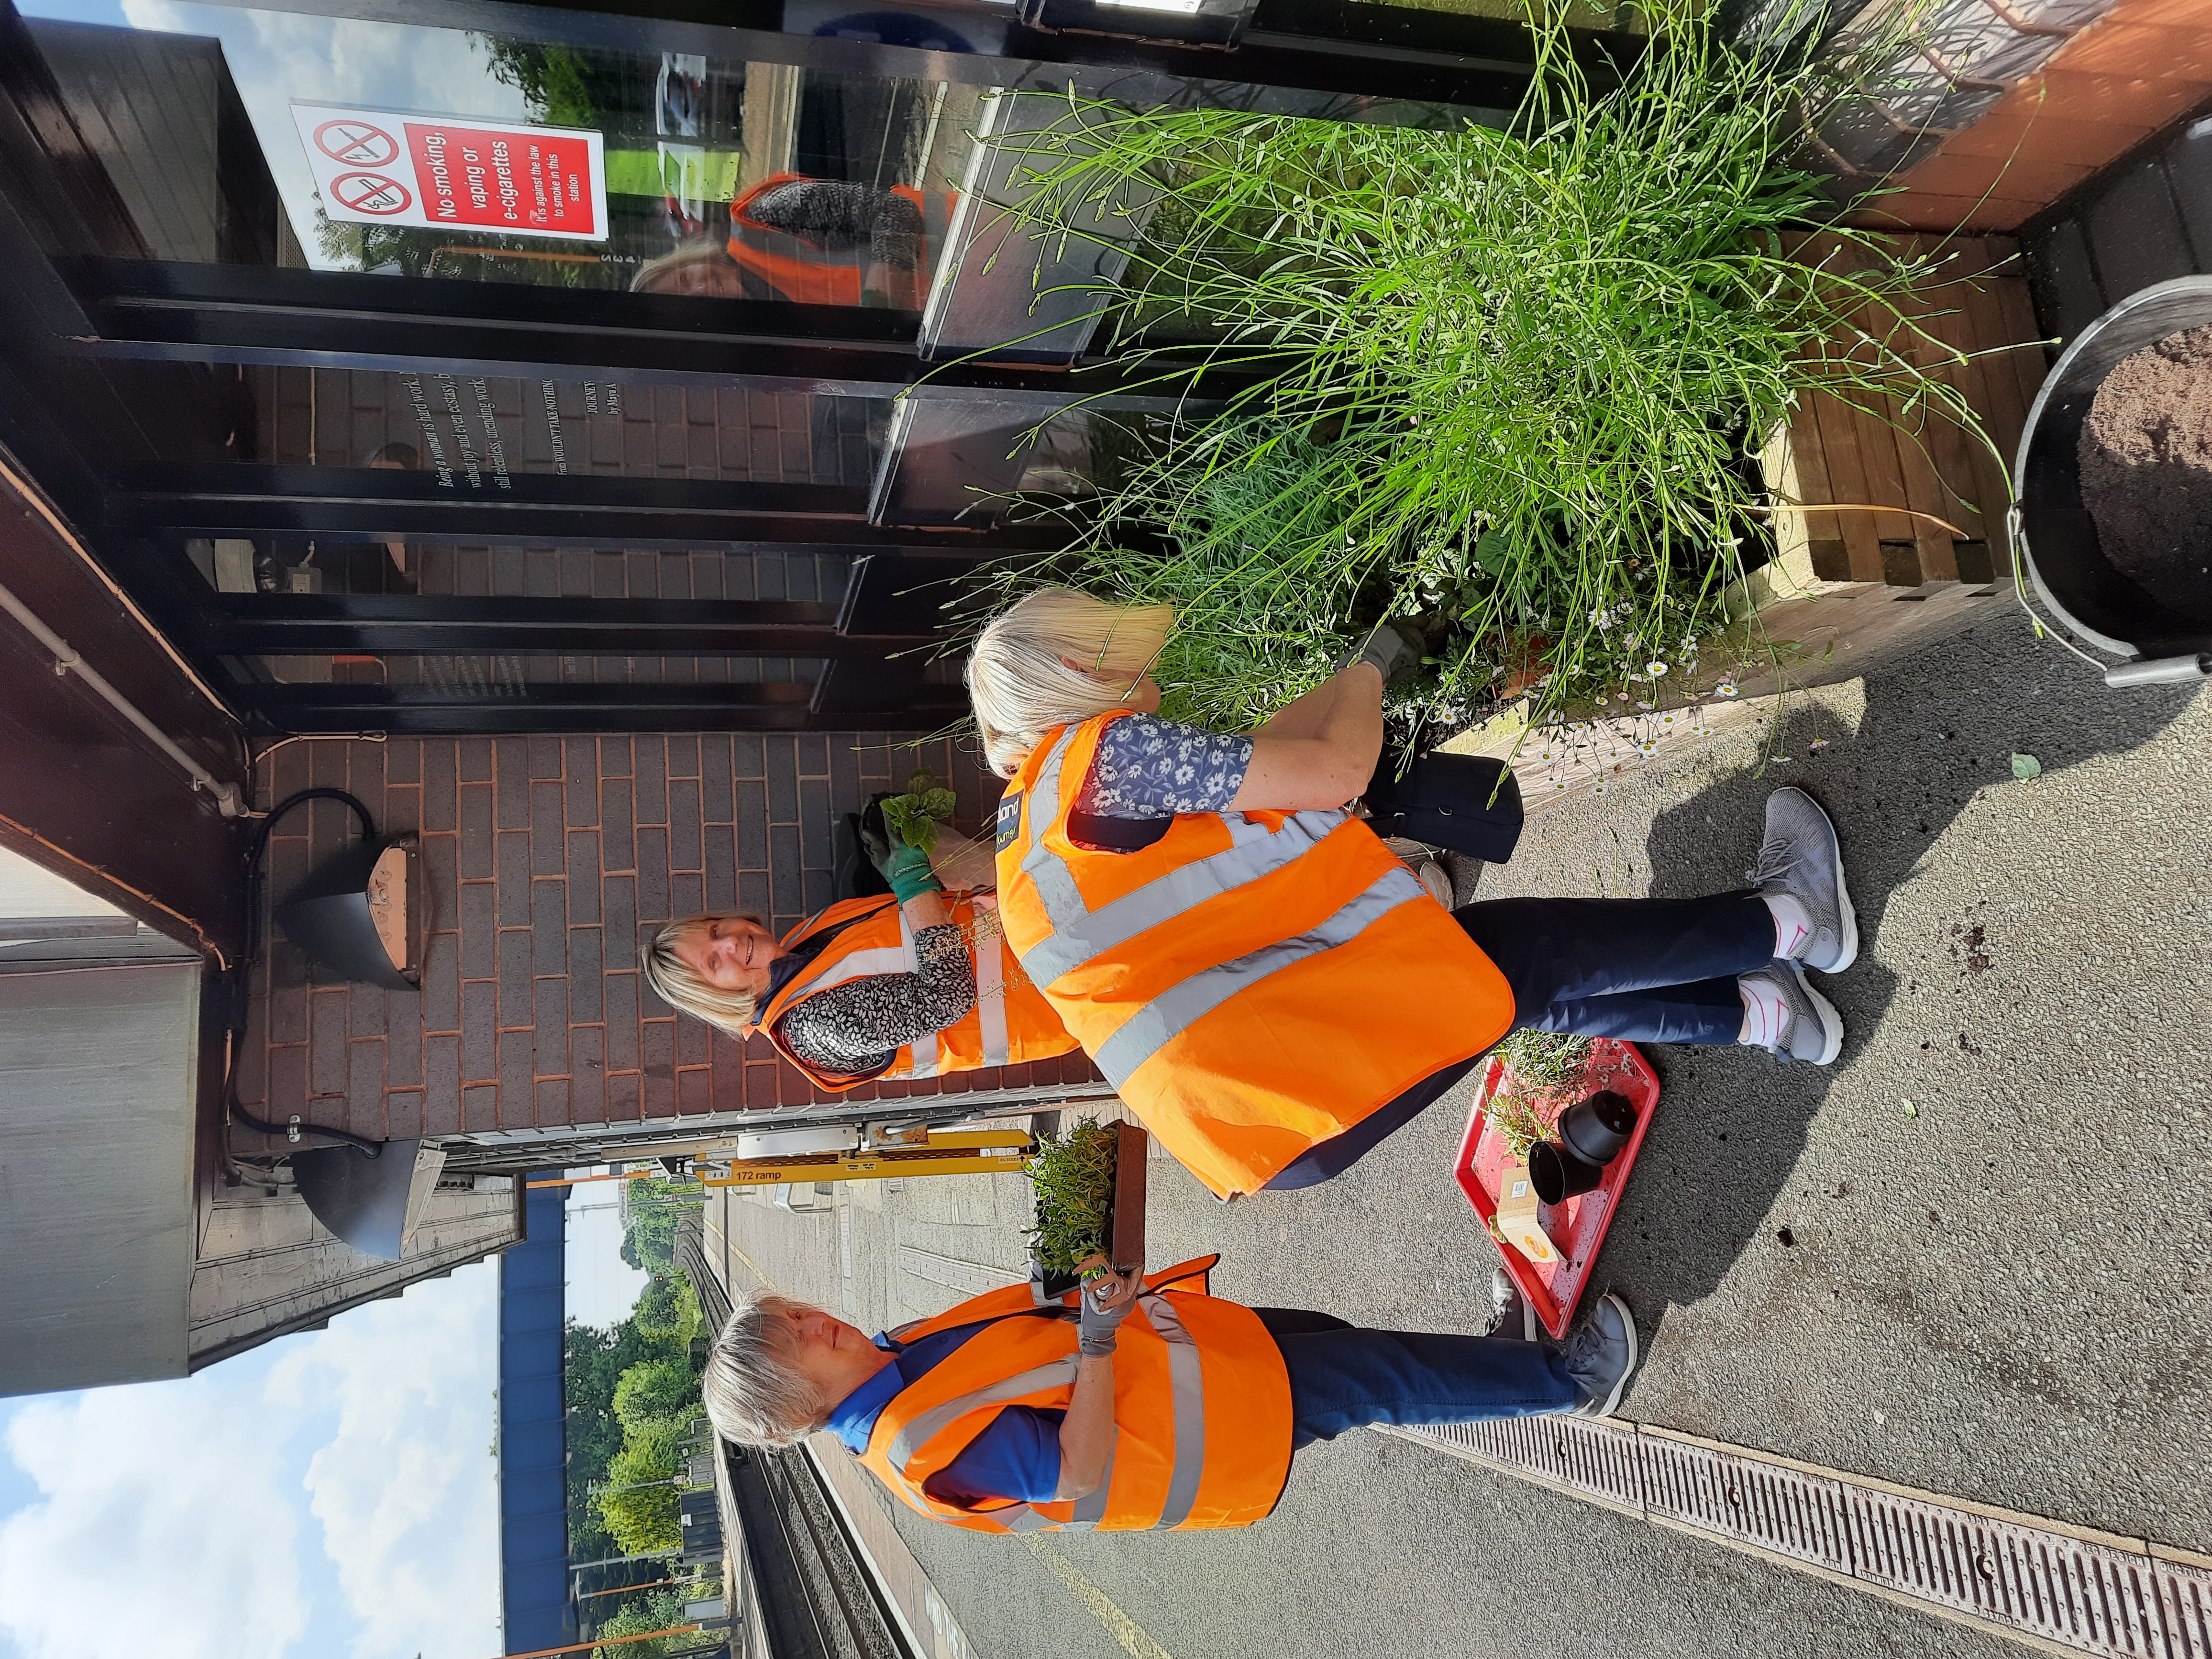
x: 907, y: 869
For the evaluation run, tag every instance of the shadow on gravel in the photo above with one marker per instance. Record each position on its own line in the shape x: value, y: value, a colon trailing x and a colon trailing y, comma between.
x: 1940, y: 725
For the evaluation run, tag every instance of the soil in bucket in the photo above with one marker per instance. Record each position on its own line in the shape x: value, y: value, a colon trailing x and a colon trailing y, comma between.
x: 2146, y: 454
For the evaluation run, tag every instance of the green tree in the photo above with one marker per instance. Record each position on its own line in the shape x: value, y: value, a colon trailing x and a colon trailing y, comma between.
x: 645, y: 1517
x: 649, y: 1224
x: 657, y: 1609
x: 658, y: 1388
x: 596, y: 1359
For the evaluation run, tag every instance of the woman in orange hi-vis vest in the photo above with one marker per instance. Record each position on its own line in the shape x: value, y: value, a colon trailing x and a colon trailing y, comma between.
x: 1263, y: 983
x: 1137, y: 1402
x: 812, y: 241
x: 912, y: 983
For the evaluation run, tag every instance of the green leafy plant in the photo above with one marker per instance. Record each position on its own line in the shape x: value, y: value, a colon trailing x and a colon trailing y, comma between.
x: 1508, y: 376
x: 1543, y: 1070
x: 914, y: 817
x: 1073, y: 1178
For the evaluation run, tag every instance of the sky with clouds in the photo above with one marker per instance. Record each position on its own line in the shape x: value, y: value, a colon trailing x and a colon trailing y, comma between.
x: 331, y: 1495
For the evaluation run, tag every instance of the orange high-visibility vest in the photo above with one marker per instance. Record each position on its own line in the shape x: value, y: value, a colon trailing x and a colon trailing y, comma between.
x: 1201, y: 1409
x: 1010, y: 1025
x: 799, y: 271
x: 1252, y: 983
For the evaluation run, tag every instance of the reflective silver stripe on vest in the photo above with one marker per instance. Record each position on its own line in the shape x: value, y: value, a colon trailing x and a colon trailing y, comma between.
x: 1080, y: 934
x: 1176, y: 1009
x: 1186, y: 1376
x: 989, y: 952
x: 1091, y: 1508
x: 925, y: 1428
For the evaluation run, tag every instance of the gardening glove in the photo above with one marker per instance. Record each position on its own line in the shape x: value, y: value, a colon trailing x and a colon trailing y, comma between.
x: 1394, y: 647
x: 1094, y: 1330
x: 907, y: 869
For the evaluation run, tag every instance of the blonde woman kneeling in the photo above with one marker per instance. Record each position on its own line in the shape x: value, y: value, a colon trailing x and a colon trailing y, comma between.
x: 911, y: 984
x: 1267, y: 988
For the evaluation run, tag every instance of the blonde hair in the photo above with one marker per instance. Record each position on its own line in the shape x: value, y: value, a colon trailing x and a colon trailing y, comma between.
x: 699, y: 251
x: 1020, y: 688
x: 670, y: 979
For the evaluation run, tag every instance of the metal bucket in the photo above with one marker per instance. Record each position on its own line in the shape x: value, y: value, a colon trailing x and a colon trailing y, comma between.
x: 2055, y: 536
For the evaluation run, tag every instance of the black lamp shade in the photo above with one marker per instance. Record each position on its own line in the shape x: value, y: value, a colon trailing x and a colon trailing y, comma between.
x: 360, y: 914
x: 372, y: 1203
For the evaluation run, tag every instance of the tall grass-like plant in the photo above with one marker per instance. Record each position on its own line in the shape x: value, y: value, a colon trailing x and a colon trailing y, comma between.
x: 1514, y: 373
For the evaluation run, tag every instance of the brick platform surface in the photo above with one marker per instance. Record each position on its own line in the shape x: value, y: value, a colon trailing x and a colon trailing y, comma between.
x: 548, y: 861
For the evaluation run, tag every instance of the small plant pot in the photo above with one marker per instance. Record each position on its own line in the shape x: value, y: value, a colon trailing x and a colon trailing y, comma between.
x: 1558, y: 1175
x: 1596, y: 1128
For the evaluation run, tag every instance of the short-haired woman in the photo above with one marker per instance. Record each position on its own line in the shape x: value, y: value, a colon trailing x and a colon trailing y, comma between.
x: 1265, y: 985
x: 1011, y: 1412
x: 914, y: 983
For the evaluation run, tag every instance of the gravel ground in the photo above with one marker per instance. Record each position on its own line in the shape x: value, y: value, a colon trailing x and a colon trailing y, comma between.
x: 2000, y: 1296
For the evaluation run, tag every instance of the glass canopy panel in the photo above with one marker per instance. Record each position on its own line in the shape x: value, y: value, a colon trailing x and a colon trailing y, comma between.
x: 240, y: 135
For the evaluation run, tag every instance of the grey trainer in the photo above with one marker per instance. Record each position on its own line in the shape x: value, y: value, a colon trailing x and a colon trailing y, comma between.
x: 1510, y: 1316
x: 1801, y: 857
x: 1815, y: 1031
x: 1600, y: 1356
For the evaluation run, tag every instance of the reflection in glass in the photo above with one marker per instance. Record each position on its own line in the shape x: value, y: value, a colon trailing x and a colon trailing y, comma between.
x: 438, y: 567
x: 473, y: 434
x: 722, y: 177
x: 486, y: 676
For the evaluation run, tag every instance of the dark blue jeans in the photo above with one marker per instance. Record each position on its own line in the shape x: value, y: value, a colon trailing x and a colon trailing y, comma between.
x: 1645, y: 970
x: 1342, y: 1378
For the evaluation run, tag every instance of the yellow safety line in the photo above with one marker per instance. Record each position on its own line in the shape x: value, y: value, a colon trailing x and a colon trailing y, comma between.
x: 1122, y: 1628
x: 737, y: 1253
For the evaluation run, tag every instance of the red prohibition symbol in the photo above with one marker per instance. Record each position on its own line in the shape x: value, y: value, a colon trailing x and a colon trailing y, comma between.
x: 356, y: 144
x: 370, y: 193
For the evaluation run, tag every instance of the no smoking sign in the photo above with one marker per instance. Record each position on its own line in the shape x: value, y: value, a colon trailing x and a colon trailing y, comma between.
x: 356, y: 144
x: 371, y: 192
x: 456, y: 173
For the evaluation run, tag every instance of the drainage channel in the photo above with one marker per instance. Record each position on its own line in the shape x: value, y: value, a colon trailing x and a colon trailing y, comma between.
x: 2059, y: 1588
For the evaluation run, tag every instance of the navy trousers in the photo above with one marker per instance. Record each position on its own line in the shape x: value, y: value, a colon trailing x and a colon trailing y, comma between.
x: 1644, y: 970
x: 1342, y: 1378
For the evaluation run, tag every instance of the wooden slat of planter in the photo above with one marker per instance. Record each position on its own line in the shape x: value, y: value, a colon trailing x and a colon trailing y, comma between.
x: 1982, y: 472
x: 1834, y: 431
x: 1932, y: 466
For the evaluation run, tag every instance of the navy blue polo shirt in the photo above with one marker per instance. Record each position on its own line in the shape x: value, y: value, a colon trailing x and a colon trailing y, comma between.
x: 1017, y: 1456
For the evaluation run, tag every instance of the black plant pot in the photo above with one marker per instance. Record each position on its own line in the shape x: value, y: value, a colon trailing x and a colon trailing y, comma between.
x: 1595, y: 1130
x: 1558, y: 1175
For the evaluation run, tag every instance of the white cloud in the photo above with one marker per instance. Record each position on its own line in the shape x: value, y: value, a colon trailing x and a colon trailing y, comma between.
x: 602, y: 1287
x: 406, y: 1490
x: 172, y: 1518
x: 164, y: 1527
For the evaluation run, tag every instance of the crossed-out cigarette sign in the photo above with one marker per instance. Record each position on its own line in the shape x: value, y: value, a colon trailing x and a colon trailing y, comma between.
x: 359, y: 145
x: 456, y: 173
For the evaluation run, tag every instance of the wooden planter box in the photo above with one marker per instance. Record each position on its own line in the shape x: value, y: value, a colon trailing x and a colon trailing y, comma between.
x: 1833, y: 453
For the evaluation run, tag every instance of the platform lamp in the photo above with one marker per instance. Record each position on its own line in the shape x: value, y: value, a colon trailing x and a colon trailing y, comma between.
x: 359, y: 913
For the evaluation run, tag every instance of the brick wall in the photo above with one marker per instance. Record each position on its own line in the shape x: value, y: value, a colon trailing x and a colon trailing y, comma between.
x: 2141, y: 66
x: 547, y: 860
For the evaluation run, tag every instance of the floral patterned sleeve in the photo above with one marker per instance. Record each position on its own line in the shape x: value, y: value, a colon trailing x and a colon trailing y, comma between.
x: 1149, y: 768
x: 859, y: 1025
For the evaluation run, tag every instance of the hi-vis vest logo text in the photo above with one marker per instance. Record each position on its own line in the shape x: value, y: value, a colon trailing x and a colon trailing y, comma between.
x: 1010, y: 819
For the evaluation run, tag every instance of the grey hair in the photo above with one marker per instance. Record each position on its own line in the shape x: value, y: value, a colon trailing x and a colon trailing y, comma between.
x: 754, y: 1393
x: 670, y: 979
x: 1020, y: 687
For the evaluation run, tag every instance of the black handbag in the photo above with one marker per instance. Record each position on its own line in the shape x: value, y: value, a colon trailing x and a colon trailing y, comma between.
x: 1467, y: 804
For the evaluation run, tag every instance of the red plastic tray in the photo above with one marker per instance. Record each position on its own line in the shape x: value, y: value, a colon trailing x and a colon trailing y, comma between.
x: 1552, y: 1289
